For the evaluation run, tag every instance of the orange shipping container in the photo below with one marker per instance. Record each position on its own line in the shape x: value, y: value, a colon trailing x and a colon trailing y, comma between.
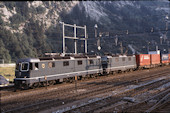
x: 155, y: 59
x: 143, y: 60
x: 165, y: 58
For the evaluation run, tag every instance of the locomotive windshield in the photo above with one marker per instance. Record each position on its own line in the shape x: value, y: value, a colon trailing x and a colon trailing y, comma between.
x: 18, y: 66
x: 24, y: 66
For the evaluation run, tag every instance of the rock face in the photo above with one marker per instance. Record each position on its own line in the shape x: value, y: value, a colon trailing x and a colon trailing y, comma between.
x: 46, y: 12
x: 49, y: 12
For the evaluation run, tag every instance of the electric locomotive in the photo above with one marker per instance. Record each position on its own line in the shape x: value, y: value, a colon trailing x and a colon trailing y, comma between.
x: 32, y: 72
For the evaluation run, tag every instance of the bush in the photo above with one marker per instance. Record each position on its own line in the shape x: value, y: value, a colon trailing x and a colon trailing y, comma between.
x: 10, y: 4
x: 17, y: 19
x: 1, y: 21
x: 40, y: 10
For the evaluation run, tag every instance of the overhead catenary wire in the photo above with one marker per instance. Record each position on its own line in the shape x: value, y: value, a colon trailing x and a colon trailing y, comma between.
x: 112, y: 34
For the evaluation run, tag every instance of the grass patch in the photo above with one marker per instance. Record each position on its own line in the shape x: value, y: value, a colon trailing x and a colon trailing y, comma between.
x: 8, y: 73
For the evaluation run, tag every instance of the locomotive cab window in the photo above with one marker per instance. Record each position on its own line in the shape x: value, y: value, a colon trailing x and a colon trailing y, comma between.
x: 36, y: 66
x: 24, y: 66
x: 30, y: 66
x: 65, y: 63
x: 79, y: 62
x: 123, y: 59
x: 117, y: 59
x: 18, y: 66
x: 91, y: 62
x: 51, y: 64
x: 129, y: 58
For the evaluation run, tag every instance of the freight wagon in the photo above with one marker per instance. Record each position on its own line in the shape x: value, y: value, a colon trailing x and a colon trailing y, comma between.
x: 143, y: 61
x: 164, y: 59
x: 155, y: 60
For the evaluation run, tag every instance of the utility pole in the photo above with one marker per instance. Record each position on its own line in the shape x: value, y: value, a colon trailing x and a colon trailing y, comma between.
x: 161, y: 40
x: 126, y: 51
x: 63, y: 39
x: 127, y: 32
x: 85, y: 30
x: 152, y: 30
x: 98, y: 41
x: 116, y: 40
x: 156, y: 48
x: 75, y: 40
x: 148, y: 46
x: 98, y: 44
x: 167, y: 22
x: 95, y: 28
x: 121, y: 48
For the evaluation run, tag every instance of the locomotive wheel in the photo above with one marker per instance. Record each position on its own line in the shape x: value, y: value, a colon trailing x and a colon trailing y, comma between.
x: 51, y: 82
x: 35, y: 85
x: 24, y: 86
x: 130, y: 70
x: 79, y: 77
x: 45, y: 83
x: 71, y: 80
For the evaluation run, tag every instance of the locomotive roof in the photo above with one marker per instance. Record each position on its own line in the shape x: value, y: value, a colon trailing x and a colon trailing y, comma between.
x: 65, y: 57
x: 54, y: 58
x: 28, y: 60
x: 110, y: 56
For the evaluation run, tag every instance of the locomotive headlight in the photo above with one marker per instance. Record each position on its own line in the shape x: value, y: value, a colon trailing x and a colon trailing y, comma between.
x: 23, y: 81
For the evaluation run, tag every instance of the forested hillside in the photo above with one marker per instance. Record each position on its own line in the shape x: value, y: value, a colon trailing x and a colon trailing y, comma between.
x: 31, y: 28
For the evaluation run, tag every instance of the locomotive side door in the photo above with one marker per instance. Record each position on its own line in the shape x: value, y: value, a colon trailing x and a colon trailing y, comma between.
x: 105, y: 63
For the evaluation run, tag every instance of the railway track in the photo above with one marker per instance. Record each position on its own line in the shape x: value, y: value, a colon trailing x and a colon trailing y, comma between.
x: 163, y: 107
x: 116, y: 80
x: 150, y: 104
x: 108, y: 100
x: 10, y: 89
x: 141, y: 101
x: 93, y: 88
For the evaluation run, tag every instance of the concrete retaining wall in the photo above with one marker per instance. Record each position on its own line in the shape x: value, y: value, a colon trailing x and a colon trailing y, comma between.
x: 7, y: 65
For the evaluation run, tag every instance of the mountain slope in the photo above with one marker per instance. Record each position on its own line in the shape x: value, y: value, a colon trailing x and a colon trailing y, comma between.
x: 29, y: 29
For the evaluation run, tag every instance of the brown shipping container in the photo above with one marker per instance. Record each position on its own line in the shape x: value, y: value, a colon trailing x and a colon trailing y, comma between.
x: 169, y: 57
x: 143, y: 59
x: 155, y: 59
